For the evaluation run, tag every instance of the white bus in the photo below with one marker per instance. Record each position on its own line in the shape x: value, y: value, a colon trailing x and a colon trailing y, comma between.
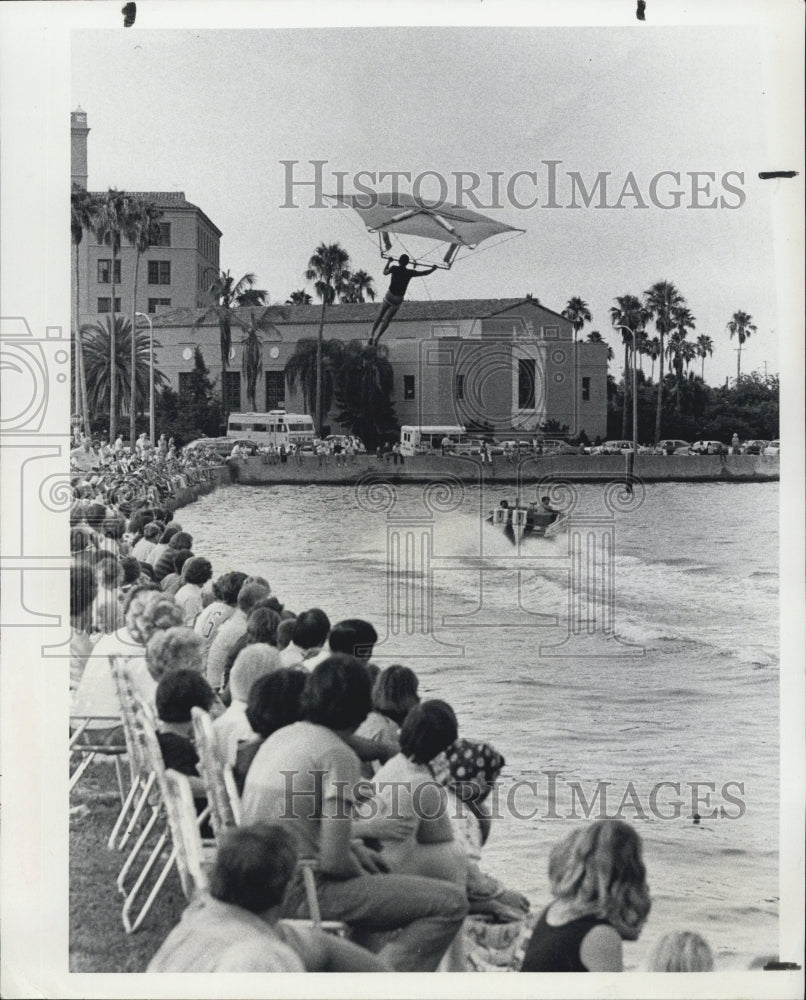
x: 275, y: 427
x: 427, y: 439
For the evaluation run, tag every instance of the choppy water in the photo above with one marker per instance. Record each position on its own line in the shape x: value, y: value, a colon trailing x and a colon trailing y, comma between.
x: 695, y: 583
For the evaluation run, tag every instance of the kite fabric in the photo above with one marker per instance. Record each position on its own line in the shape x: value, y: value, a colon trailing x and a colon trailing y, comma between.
x: 402, y: 213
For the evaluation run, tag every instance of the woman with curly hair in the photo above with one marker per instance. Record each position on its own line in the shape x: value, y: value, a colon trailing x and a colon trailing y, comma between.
x: 601, y: 898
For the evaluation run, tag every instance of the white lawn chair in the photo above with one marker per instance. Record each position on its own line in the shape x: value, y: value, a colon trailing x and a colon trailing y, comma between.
x: 211, y: 769
x: 85, y: 748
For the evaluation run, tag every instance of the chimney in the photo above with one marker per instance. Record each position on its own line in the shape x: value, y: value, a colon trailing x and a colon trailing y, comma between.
x: 78, y: 146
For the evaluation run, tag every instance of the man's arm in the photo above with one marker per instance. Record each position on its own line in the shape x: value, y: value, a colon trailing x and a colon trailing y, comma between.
x: 388, y: 268
x: 423, y: 274
x: 336, y: 857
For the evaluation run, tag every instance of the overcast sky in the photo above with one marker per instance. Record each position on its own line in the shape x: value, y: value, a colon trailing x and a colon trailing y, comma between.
x: 212, y: 113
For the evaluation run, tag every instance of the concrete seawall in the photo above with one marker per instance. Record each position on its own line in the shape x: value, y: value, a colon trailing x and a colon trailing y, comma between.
x: 188, y: 494
x: 575, y: 468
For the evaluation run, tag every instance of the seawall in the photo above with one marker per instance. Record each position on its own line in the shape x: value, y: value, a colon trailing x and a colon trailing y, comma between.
x: 575, y: 468
x: 187, y: 494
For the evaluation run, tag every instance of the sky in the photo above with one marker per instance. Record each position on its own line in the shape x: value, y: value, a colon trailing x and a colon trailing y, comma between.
x: 213, y: 113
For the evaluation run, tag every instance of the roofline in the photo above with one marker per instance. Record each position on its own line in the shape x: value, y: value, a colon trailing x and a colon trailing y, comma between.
x: 187, y: 207
x: 531, y: 302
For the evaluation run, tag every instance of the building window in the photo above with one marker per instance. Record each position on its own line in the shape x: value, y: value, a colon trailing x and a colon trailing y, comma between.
x: 551, y: 333
x: 234, y: 390
x: 159, y: 272
x: 154, y: 304
x: 164, y: 238
x: 460, y: 387
x: 586, y: 390
x: 105, y: 270
x: 185, y: 384
x: 275, y: 390
x: 408, y: 387
x: 526, y: 383
x: 104, y: 304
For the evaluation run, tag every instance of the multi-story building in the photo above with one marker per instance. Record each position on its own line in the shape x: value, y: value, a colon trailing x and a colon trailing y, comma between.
x: 506, y: 364
x: 174, y: 273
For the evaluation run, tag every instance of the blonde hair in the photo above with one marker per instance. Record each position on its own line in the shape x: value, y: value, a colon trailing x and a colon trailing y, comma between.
x: 176, y: 648
x: 598, y: 869
x: 149, y: 611
x: 680, y: 951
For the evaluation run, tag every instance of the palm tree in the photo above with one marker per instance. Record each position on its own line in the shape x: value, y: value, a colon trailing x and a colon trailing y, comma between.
x: 661, y: 299
x: 741, y: 326
x: 83, y: 215
x: 653, y: 350
x: 299, y: 298
x: 688, y: 352
x: 112, y: 214
x: 226, y: 291
x: 594, y: 337
x: 705, y: 346
x: 253, y: 297
x: 329, y: 269
x: 253, y: 345
x: 101, y: 367
x: 676, y: 350
x: 628, y: 312
x: 578, y: 313
x: 359, y: 284
x: 364, y: 392
x: 141, y: 229
x: 301, y: 370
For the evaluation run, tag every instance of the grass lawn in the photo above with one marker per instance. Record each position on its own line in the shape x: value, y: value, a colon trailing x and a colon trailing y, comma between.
x: 98, y: 942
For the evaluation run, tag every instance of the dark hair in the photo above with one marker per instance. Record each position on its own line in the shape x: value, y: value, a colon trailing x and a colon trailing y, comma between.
x: 337, y: 694
x: 79, y: 540
x: 274, y: 604
x: 114, y: 526
x: 181, y: 556
x: 261, y: 626
x: 428, y: 729
x: 109, y: 573
x: 311, y: 629
x: 153, y: 530
x: 285, y: 632
x: 404, y: 259
x: 198, y: 570
x: 94, y: 514
x: 131, y: 569
x: 353, y: 636
x: 227, y: 587
x: 180, y: 690
x: 275, y: 700
x: 138, y: 521
x: 395, y: 692
x: 168, y: 534
x: 181, y: 540
x: 253, y: 866
x: 250, y: 594
x: 83, y: 589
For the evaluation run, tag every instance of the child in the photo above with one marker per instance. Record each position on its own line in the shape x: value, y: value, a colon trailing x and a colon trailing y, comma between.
x: 601, y: 897
x: 394, y: 694
x: 680, y: 951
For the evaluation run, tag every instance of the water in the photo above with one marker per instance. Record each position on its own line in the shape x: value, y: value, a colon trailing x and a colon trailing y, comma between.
x: 696, y: 585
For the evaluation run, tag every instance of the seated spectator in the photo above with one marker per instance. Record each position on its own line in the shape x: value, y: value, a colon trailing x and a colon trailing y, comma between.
x: 162, y: 545
x: 261, y: 628
x: 285, y: 632
x: 252, y: 663
x: 172, y: 581
x: 225, y: 593
x: 235, y: 928
x: 195, y: 573
x: 83, y: 588
x: 177, y: 693
x: 601, y: 897
x: 309, y: 635
x: 394, y: 694
x: 275, y: 700
x: 680, y: 951
x: 181, y: 540
x: 351, y: 881
x: 107, y: 612
x: 175, y: 648
x: 232, y: 630
x: 151, y: 533
x: 132, y: 576
x: 353, y: 637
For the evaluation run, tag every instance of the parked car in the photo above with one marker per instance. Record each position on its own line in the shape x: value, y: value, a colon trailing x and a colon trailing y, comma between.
x: 612, y: 448
x: 556, y: 446
x: 512, y: 447
x: 673, y: 446
x: 755, y: 447
x: 773, y: 448
x: 709, y: 448
x: 472, y: 446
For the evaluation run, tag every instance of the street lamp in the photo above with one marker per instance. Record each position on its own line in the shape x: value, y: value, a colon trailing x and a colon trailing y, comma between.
x: 147, y: 318
x: 634, y: 393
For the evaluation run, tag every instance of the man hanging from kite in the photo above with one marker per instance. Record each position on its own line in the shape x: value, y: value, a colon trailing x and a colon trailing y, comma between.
x: 392, y: 301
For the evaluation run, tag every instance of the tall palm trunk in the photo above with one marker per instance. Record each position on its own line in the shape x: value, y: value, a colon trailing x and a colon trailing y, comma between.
x: 133, y: 390
x: 659, y: 409
x: 703, y: 368
x: 624, y: 408
x: 319, y: 424
x: 113, y: 395
x: 739, y: 362
x: 81, y: 377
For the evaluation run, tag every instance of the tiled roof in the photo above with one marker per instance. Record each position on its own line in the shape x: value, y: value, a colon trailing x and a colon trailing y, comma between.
x: 365, y: 312
x: 165, y: 199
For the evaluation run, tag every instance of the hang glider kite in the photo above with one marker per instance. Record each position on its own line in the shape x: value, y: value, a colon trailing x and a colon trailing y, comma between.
x: 449, y: 231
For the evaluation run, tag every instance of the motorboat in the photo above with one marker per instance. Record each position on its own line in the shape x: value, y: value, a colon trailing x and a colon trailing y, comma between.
x: 521, y: 521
